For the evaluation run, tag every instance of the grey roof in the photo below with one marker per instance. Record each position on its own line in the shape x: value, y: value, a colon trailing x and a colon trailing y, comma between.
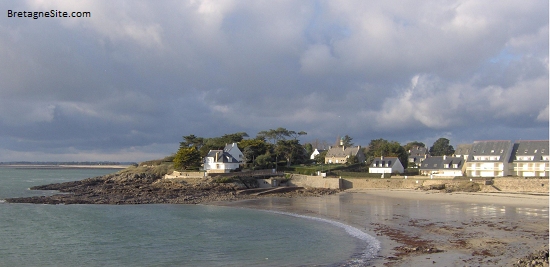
x: 464, y: 149
x: 228, y: 147
x: 221, y: 156
x: 418, y: 151
x: 390, y: 160
x: 436, y: 163
x: 530, y: 148
x: 500, y: 148
x: 343, y: 152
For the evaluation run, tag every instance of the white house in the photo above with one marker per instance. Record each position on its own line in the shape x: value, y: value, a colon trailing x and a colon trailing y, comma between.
x: 341, y: 154
x: 234, y: 150
x: 386, y: 165
x: 218, y: 161
x: 442, y: 166
x: 489, y: 159
x: 530, y: 159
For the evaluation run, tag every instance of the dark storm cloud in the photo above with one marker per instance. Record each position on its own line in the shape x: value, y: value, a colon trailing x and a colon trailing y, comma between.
x: 128, y: 82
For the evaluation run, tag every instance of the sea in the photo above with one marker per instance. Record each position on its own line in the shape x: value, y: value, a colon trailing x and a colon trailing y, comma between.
x: 162, y: 234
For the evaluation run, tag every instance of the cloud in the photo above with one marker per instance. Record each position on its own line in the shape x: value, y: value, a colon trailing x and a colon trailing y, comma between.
x: 139, y: 73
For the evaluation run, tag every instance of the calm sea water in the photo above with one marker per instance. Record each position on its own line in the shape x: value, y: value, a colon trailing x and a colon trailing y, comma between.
x: 162, y: 235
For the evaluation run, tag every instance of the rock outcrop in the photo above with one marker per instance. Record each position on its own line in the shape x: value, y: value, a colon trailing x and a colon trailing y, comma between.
x: 146, y: 188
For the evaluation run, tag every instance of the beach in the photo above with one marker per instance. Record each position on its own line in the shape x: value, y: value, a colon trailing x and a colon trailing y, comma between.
x: 428, y: 228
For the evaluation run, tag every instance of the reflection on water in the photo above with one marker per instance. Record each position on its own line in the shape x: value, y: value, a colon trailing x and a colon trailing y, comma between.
x: 350, y: 207
x: 365, y: 209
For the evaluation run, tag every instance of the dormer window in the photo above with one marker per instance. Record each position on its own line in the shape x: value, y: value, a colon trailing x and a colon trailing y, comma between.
x: 535, y: 151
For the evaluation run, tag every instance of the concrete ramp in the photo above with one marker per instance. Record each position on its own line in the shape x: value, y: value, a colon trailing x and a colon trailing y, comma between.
x: 278, y: 190
x: 266, y: 191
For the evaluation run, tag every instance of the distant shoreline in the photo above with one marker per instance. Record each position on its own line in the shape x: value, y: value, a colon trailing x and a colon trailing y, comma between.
x: 62, y: 166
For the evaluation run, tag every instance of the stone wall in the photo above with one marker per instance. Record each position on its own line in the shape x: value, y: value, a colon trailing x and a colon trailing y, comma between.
x: 521, y: 185
x: 511, y: 185
x: 182, y: 175
x: 314, y: 181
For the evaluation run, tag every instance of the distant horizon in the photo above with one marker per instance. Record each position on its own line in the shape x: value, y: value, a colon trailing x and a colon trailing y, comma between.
x: 67, y: 162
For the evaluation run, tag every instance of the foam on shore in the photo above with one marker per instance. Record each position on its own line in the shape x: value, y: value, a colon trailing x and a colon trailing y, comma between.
x: 372, y: 245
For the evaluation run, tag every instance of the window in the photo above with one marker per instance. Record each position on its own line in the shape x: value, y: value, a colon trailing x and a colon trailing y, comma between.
x: 455, y: 166
x: 492, y: 151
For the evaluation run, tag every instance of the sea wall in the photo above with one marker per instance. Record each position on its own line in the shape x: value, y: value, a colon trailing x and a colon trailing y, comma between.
x: 314, y: 181
x: 518, y: 184
x: 521, y: 185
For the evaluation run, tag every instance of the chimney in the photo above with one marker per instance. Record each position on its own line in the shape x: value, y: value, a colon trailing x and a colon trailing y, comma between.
x: 381, y: 157
x: 444, y: 157
x: 342, y: 141
x: 216, y: 159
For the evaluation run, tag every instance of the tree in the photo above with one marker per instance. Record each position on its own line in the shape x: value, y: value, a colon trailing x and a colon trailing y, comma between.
x: 309, y: 148
x: 352, y: 159
x: 187, y: 158
x: 233, y: 138
x: 412, y: 144
x: 275, y: 135
x: 264, y: 161
x: 346, y: 141
x: 381, y: 147
x: 320, y: 158
x: 253, y: 148
x: 291, y: 150
x: 320, y: 144
x: 442, y: 147
x: 192, y: 140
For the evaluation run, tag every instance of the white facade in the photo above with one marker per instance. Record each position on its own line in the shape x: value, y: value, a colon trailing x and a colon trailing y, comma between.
x: 218, y: 161
x: 489, y: 159
x: 530, y: 159
x: 386, y: 165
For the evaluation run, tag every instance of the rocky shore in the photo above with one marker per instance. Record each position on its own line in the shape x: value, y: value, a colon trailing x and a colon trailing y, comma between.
x: 127, y: 187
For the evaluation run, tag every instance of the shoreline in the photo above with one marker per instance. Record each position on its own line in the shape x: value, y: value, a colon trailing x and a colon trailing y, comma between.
x: 419, y: 228
x: 63, y: 166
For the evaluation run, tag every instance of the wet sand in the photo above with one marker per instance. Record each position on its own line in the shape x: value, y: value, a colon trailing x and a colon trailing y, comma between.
x: 422, y: 228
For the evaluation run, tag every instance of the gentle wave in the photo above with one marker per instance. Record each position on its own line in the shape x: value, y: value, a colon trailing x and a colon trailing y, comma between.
x: 371, y: 243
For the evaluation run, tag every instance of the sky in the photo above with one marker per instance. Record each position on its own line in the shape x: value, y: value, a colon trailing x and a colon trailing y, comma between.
x: 128, y: 82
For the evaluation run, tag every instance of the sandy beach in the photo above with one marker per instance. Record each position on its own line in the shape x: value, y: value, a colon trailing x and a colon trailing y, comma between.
x: 423, y: 228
